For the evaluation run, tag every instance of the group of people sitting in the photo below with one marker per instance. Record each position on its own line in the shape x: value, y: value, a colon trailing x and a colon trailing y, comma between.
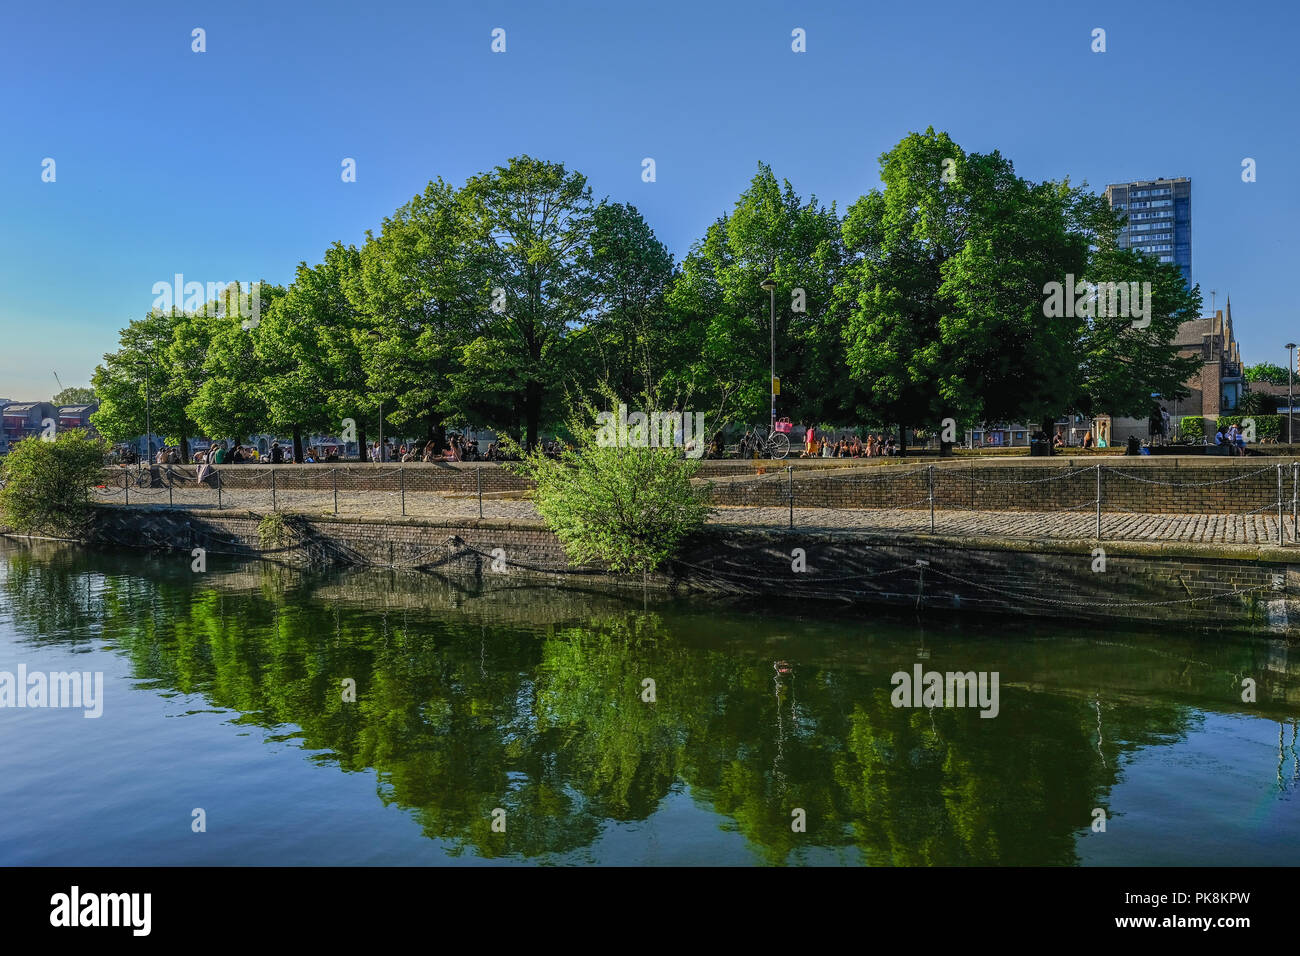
x: 855, y: 447
x: 1230, y: 440
x: 459, y: 448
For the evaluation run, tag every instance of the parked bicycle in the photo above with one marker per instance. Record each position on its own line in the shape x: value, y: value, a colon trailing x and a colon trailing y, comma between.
x: 776, y: 444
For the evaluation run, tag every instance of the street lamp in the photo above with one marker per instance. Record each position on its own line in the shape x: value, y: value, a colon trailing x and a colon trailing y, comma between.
x: 376, y: 337
x: 1290, y: 366
x: 150, y: 350
x: 770, y: 286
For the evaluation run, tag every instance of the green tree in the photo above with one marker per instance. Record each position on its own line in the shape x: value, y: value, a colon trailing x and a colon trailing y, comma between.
x: 421, y: 284
x: 46, y: 483
x: 634, y: 342
x: 953, y: 314
x: 145, y: 373
x: 1124, y: 361
x: 1257, y: 403
x: 232, y: 399
x: 531, y: 225
x: 322, y: 298
x: 1265, y: 372
x: 77, y: 395
x: 771, y: 232
x: 293, y: 378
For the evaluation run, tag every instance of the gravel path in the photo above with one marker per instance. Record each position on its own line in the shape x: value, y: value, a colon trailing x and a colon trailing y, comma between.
x: 1257, y: 529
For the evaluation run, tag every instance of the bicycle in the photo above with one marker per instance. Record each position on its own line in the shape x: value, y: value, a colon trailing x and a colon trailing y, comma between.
x: 775, y: 444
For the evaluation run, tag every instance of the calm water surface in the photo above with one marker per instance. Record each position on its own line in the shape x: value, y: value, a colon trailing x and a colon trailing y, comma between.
x: 224, y: 691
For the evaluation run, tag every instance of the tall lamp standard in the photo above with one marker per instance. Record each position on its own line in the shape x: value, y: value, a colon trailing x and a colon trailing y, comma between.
x: 149, y: 350
x: 376, y: 337
x: 1290, y: 367
x: 770, y: 287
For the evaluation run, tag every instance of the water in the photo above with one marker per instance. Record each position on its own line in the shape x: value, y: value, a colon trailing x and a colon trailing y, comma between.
x: 224, y: 692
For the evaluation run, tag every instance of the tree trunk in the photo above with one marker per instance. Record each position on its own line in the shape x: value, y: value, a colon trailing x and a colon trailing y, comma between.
x: 902, y: 441
x: 437, y: 433
x: 297, y: 443
x: 532, y: 413
x: 362, y: 453
x: 1049, y: 429
x: 185, y: 450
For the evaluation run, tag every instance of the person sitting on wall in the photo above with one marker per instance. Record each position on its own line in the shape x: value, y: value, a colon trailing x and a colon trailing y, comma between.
x: 1087, y: 438
x: 1236, y: 440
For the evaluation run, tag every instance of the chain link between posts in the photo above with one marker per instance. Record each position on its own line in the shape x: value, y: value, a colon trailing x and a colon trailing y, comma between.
x: 779, y: 491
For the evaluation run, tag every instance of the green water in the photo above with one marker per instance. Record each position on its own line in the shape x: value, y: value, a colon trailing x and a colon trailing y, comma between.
x: 224, y: 691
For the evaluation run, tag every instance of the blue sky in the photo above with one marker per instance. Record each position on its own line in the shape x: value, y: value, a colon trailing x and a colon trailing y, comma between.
x: 225, y: 165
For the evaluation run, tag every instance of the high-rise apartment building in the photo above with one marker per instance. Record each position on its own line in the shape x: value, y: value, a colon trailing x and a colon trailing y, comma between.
x: 1159, y: 219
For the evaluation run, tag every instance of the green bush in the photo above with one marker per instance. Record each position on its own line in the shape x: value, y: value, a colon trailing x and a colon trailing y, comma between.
x: 1267, y: 427
x: 47, y: 483
x: 1192, y: 426
x: 628, y: 507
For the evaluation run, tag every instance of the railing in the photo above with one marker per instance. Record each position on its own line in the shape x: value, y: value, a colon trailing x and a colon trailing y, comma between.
x: 1217, y: 504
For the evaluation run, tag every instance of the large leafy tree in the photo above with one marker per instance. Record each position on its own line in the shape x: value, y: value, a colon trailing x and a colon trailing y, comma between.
x: 771, y: 232
x: 146, y: 370
x: 1124, y: 361
x: 231, y: 401
x: 634, y: 342
x: 324, y: 297
x: 949, y: 296
x: 903, y: 235
x: 531, y: 224
x: 82, y: 395
x: 422, y: 282
x: 293, y: 378
x: 1265, y: 372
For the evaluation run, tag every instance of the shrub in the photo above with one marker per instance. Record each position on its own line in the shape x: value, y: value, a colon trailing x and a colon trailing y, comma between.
x: 1267, y: 427
x: 272, y: 532
x: 628, y: 507
x: 47, y: 483
x: 1192, y: 426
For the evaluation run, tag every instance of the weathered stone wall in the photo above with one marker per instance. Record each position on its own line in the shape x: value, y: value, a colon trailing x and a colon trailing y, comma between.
x: 1193, y: 585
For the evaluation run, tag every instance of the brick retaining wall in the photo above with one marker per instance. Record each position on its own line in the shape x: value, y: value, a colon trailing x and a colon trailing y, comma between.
x: 1182, y: 583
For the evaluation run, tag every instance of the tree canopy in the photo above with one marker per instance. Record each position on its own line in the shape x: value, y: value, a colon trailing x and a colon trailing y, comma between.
x: 958, y: 289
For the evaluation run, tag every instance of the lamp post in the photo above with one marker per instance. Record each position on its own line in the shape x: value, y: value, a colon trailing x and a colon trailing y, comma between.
x: 149, y: 350
x: 1290, y: 366
x: 376, y: 337
x: 770, y: 286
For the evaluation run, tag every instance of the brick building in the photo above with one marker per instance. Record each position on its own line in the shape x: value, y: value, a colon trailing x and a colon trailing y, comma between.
x: 1216, y: 387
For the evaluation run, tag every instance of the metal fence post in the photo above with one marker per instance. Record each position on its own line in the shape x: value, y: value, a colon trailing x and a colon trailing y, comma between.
x: 1295, y: 500
x: 171, y: 483
x: 1281, y: 528
x: 478, y: 478
x: 401, y: 478
x: 218, y: 491
x: 334, y: 480
x: 1099, y: 502
x: 790, y: 470
x: 273, y: 506
x: 126, y: 485
x: 930, y: 476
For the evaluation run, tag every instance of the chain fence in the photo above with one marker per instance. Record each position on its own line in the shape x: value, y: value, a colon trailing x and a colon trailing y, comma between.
x: 1100, y: 502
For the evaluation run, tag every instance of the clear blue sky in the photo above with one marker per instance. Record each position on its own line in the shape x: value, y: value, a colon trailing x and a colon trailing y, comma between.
x: 225, y: 165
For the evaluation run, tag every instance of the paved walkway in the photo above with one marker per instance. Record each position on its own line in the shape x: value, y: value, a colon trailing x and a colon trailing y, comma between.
x: 1257, y: 529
